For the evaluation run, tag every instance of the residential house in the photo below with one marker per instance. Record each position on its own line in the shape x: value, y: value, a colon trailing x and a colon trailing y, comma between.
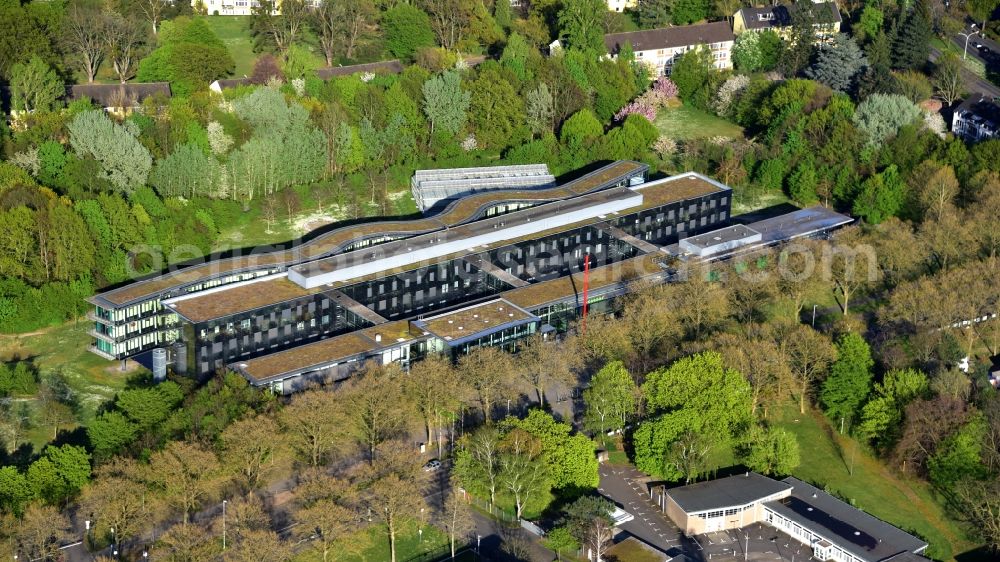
x: 778, y: 18
x: 119, y: 97
x: 976, y: 119
x: 234, y: 7
x: 659, y: 48
x: 226, y: 83
x: 622, y: 5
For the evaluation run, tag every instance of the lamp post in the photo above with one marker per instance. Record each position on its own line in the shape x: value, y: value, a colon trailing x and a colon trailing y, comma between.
x: 478, y: 538
x: 814, y: 316
x: 508, y: 407
x: 224, y: 524
x: 965, y: 51
x: 114, y: 543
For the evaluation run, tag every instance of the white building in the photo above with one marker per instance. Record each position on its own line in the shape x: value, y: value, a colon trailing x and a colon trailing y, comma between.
x: 622, y: 5
x: 659, y: 48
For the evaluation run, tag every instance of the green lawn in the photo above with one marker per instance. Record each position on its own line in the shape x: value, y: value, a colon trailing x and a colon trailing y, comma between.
x: 686, y: 122
x: 843, y: 468
x: 409, y: 545
x: 234, y: 32
x: 64, y: 349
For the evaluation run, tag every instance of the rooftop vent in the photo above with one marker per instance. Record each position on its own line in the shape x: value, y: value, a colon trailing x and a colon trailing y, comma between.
x: 378, y: 338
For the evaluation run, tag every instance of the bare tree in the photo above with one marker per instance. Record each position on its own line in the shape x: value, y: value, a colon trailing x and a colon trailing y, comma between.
x: 126, y: 40
x: 312, y: 425
x: 437, y: 393
x: 375, y: 409
x: 449, y: 19
x: 343, y: 26
x: 85, y: 34
x: 542, y: 363
x: 523, y: 472
x: 489, y: 371
x: 40, y: 532
x: 394, y: 493
x: 809, y: 355
x: 153, y: 9
x: 456, y: 518
x: 979, y: 503
x: 116, y: 499
x: 186, y: 474
x: 249, y: 449
x: 280, y: 29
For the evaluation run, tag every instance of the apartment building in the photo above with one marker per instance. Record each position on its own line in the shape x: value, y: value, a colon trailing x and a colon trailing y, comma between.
x: 659, y: 48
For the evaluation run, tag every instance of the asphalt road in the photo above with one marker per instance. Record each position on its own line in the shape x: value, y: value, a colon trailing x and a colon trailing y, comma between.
x: 989, y: 56
x: 621, y: 485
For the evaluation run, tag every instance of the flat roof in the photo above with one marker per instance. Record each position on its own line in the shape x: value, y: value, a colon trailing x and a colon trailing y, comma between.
x: 561, y: 288
x: 208, y: 305
x: 493, y: 230
x: 306, y: 357
x: 732, y: 233
x: 232, y: 299
x: 799, y: 224
x: 721, y: 493
x: 470, y: 321
x: 861, y: 534
x: 463, y: 210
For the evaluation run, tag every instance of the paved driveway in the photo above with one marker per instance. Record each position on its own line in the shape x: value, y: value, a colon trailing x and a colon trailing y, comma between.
x: 622, y: 485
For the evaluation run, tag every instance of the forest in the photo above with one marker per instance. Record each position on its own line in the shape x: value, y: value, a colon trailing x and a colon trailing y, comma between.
x: 91, y: 199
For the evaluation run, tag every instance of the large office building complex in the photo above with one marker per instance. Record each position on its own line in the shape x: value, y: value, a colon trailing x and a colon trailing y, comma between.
x: 491, y: 268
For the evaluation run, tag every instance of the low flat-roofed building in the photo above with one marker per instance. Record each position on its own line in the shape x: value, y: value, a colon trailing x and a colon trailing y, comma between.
x: 725, y: 503
x: 497, y: 323
x: 719, y: 241
x: 836, y: 530
x: 434, y: 189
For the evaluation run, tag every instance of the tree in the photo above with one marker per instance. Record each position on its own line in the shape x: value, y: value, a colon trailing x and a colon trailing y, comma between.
x: 374, y: 406
x: 947, y: 78
x: 686, y: 12
x: 341, y: 27
x: 60, y: 473
x: 881, y: 196
x: 691, y: 72
x: 186, y: 474
x: 279, y: 28
x: 850, y: 379
x: 589, y: 521
x: 310, y: 420
x: 190, y: 56
x: 126, y: 39
x: 436, y: 391
x: 654, y: 13
x: 249, y: 449
x: 802, y: 182
x: 124, y: 160
x: 153, y: 10
x: 185, y: 543
x: 85, y: 31
x: 610, y: 398
x: 912, y: 42
x: 809, y: 354
x: 445, y: 102
x: 581, y: 24
x: 543, y: 364
x: 959, y: 456
x: 757, y: 52
x: 496, y: 110
x: 477, y: 463
x: 34, y: 86
x: 457, y: 518
x: 561, y: 539
x: 449, y: 19
x: 117, y: 500
x: 572, y: 466
x: 326, y: 512
x: 798, y: 49
x: 395, y: 494
x: 40, y: 533
x: 880, y: 116
x: 406, y: 29
x: 838, y: 63
x: 15, y: 492
x: 489, y: 371
x: 110, y: 433
x: 758, y: 357
x: 772, y: 451
x: 539, y: 110
x: 979, y: 502
x: 523, y: 471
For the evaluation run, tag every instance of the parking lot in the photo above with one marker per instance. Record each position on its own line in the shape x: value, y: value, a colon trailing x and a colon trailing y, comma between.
x: 753, y: 543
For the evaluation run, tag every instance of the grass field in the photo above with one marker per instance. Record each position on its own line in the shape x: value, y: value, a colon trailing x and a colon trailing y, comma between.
x: 686, y: 122
x: 63, y: 349
x: 843, y: 468
x: 234, y: 32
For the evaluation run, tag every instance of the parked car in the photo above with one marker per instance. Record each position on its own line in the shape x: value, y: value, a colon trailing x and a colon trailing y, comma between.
x: 432, y: 465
